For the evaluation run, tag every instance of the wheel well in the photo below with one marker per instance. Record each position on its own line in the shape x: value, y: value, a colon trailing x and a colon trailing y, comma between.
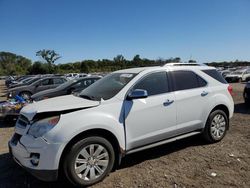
x: 223, y: 108
x: 24, y: 92
x: 94, y: 132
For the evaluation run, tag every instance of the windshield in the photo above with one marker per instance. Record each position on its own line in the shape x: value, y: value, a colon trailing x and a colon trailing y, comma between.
x: 32, y: 80
x: 66, y: 84
x: 107, y: 87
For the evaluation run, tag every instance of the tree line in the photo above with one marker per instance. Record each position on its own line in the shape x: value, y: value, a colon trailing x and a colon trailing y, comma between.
x: 13, y: 64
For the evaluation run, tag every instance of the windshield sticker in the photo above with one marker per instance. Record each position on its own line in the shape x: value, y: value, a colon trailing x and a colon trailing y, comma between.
x: 127, y: 75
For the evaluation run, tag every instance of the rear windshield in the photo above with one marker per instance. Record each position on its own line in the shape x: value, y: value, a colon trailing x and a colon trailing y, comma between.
x: 216, y: 75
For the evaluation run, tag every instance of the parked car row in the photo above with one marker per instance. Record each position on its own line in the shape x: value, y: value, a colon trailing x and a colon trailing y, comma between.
x: 46, y: 86
x: 236, y: 75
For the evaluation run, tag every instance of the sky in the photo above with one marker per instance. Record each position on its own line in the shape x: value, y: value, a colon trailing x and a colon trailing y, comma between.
x: 204, y: 30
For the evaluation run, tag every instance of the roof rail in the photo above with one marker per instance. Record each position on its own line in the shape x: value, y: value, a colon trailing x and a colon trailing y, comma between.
x: 184, y: 64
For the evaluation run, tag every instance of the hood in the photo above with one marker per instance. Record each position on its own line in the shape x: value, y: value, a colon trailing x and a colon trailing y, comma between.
x: 57, y: 104
x: 17, y: 88
x: 44, y: 93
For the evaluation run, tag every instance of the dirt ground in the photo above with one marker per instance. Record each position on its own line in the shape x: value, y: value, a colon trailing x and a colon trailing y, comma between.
x: 185, y: 163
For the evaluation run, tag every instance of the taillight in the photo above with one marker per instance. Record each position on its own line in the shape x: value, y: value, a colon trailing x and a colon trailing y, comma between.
x: 230, y: 89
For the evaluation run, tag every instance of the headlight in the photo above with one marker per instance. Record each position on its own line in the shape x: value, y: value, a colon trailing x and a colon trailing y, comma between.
x: 41, y: 127
x: 10, y: 94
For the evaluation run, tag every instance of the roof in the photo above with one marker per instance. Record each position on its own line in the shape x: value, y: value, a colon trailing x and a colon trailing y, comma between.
x: 169, y: 67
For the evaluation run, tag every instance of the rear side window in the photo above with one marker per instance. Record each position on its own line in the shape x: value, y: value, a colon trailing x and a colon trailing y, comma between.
x: 154, y: 84
x: 45, y: 82
x: 183, y: 80
x: 58, y: 81
x: 216, y: 75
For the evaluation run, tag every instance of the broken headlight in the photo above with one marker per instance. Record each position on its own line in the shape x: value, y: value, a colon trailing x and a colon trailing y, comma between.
x: 40, y: 127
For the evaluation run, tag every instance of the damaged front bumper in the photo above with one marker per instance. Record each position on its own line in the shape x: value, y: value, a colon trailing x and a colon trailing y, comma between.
x: 36, y: 155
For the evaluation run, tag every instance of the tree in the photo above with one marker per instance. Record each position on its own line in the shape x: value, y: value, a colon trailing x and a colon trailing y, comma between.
x: 84, y: 67
x: 137, y: 61
x: 50, y: 56
x: 13, y: 64
x: 177, y: 60
x: 191, y: 61
x: 39, y: 68
x: 119, y: 59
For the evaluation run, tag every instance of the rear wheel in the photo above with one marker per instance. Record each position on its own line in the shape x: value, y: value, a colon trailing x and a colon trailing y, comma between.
x: 216, y: 126
x: 89, y: 161
x: 245, y: 97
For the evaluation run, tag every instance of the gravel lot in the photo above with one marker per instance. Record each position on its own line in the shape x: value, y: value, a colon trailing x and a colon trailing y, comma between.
x: 185, y: 163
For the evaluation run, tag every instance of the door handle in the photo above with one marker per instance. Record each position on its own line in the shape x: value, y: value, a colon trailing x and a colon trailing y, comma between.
x: 168, y: 102
x: 204, y: 93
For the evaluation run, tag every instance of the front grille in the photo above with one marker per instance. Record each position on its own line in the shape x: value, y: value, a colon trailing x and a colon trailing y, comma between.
x: 22, y: 122
x: 15, y: 139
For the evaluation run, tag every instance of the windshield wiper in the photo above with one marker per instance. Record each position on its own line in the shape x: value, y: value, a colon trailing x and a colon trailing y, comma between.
x: 93, y: 98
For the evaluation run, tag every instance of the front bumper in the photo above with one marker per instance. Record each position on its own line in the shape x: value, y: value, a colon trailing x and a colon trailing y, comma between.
x: 44, y: 175
x: 24, y: 147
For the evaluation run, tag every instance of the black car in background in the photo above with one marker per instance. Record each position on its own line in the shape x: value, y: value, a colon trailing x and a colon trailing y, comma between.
x: 42, y: 84
x: 246, y: 93
x: 71, y: 86
x: 14, y: 80
x: 26, y: 81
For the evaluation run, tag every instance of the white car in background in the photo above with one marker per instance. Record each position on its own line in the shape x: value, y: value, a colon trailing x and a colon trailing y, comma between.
x: 238, y: 75
x: 71, y: 76
x: 127, y: 111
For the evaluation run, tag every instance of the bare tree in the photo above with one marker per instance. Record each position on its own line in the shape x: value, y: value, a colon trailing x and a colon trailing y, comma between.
x: 50, y: 56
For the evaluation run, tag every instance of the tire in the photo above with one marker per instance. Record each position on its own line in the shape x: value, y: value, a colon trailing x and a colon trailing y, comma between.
x: 88, y: 164
x: 25, y: 95
x: 245, y: 98
x: 216, y: 126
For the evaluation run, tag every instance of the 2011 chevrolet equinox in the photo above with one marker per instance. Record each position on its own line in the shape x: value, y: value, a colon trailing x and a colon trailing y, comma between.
x: 127, y: 111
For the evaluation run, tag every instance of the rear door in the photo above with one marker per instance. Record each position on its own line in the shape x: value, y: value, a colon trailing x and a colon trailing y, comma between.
x: 44, y: 85
x: 151, y: 119
x: 56, y: 82
x: 191, y: 93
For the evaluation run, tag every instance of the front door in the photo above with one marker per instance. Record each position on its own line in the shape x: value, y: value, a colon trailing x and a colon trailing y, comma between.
x: 151, y: 119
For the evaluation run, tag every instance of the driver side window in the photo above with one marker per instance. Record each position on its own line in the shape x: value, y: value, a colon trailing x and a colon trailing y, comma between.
x: 45, y: 82
x: 154, y: 84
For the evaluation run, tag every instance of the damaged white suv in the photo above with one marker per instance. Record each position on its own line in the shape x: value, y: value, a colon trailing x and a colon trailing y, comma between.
x: 130, y: 110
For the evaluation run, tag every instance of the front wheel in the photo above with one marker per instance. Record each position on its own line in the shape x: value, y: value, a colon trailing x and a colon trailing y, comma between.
x: 89, y: 161
x: 216, y: 126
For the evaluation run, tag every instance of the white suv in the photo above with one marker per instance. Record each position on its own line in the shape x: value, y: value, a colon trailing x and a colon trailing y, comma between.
x: 127, y: 111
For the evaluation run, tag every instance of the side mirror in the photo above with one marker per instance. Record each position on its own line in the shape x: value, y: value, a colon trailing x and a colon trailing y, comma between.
x: 137, y: 94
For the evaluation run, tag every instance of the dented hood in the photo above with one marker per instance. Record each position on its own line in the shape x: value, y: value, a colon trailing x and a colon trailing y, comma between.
x: 57, y: 104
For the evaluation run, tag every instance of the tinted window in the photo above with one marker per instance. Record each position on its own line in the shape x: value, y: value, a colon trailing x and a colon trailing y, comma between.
x: 155, y: 83
x: 58, y: 81
x: 187, y: 80
x: 88, y: 82
x: 45, y: 82
x: 216, y: 75
x: 201, y: 81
